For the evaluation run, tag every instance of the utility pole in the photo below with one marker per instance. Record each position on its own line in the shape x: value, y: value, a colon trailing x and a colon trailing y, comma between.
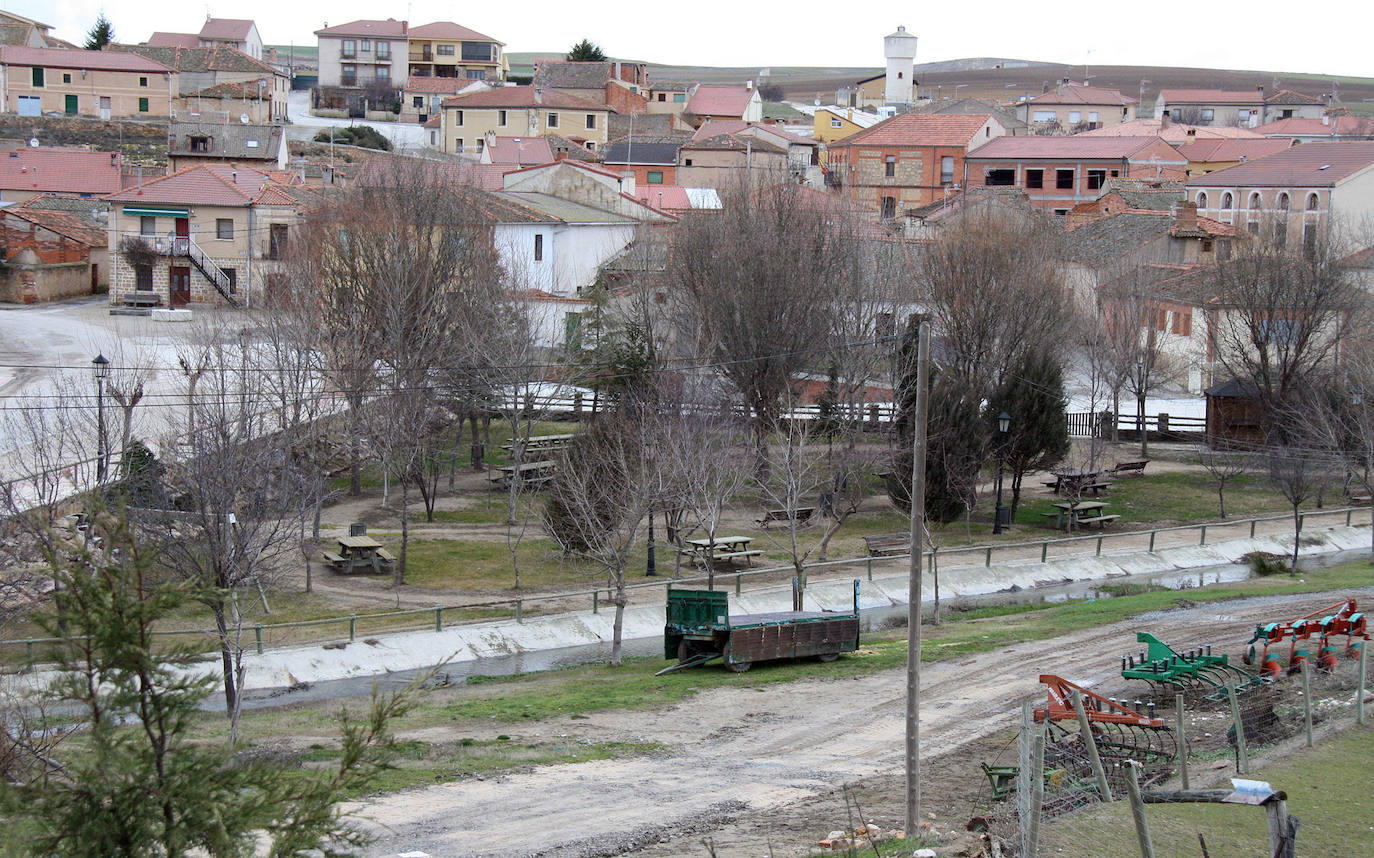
x: 918, y: 515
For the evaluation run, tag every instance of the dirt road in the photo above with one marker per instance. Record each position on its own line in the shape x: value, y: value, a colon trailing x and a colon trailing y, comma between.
x: 746, y: 760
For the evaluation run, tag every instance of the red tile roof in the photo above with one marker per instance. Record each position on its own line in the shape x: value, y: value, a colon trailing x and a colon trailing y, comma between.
x: 714, y: 127
x: 1333, y: 126
x: 173, y: 40
x: 583, y: 165
x: 1221, y: 149
x: 720, y: 100
x: 920, y: 129
x: 439, y: 85
x: 669, y: 198
x: 388, y: 29
x: 238, y: 89
x: 50, y: 168
x: 1172, y: 132
x: 65, y: 224
x: 58, y: 58
x: 1077, y: 93
x: 448, y: 30
x: 520, y: 151
x: 205, y: 184
x: 522, y: 96
x: 1288, y: 96
x: 234, y: 29
x: 1309, y: 165
x: 1211, y: 96
x: 1063, y: 147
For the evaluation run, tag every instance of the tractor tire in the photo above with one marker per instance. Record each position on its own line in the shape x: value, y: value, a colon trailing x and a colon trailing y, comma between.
x: 827, y: 657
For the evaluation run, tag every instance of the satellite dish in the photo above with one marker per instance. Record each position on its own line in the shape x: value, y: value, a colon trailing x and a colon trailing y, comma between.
x: 33, y: 141
x: 243, y: 118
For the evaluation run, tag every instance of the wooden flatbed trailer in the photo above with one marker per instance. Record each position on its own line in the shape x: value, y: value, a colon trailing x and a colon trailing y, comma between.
x: 700, y: 629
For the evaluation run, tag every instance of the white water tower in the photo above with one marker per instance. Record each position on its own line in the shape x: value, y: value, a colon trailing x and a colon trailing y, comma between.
x: 900, y: 50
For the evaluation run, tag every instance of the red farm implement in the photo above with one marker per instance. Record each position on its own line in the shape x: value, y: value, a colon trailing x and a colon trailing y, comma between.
x: 1120, y: 731
x: 1340, y: 619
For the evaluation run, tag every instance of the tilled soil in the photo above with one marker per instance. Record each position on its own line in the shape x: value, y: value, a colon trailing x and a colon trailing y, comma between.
x: 759, y: 770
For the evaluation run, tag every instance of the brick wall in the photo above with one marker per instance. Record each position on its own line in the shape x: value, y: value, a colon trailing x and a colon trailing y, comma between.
x: 33, y: 283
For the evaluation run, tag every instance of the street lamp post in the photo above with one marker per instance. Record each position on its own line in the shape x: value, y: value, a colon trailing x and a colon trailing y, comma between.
x: 999, y: 515
x: 100, y: 366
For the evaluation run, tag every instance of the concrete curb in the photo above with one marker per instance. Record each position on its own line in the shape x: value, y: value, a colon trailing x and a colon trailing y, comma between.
x: 412, y: 650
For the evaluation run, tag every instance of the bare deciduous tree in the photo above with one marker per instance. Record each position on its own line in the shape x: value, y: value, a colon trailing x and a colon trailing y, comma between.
x: 1222, y: 466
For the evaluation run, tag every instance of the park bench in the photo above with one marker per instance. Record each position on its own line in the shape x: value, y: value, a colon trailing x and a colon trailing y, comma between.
x: 1099, y: 520
x: 332, y: 559
x: 801, y: 516
x: 1122, y: 469
x: 887, y: 543
x: 142, y: 299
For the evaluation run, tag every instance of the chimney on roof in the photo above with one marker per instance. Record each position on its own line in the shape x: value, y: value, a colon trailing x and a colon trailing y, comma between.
x: 113, y: 159
x: 234, y: 174
x: 1185, y: 215
x: 1326, y: 119
x: 539, y: 95
x: 748, y: 84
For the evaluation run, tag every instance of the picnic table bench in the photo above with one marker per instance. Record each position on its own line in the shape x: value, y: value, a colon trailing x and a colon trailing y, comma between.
x: 544, y: 443
x: 801, y: 515
x: 531, y: 473
x: 722, y: 548
x: 1124, y: 468
x: 887, y: 543
x: 142, y: 299
x: 359, y: 553
x: 1079, y: 481
x: 1069, y: 515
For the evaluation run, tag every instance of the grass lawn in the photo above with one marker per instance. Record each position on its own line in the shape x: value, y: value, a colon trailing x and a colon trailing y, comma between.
x: 587, y: 688
x: 479, y: 564
x: 1327, y: 789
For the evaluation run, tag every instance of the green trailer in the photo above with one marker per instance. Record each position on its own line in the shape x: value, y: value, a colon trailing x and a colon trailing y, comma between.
x: 700, y: 629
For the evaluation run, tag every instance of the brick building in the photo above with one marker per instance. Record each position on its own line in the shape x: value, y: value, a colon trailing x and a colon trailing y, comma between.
x: 27, y: 171
x: 908, y: 160
x: 107, y: 84
x: 1057, y: 173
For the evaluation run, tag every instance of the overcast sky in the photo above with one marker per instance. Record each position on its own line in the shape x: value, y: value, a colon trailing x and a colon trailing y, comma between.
x: 1267, y: 35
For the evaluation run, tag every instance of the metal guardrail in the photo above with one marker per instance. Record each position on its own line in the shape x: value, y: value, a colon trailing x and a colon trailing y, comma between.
x: 519, y: 603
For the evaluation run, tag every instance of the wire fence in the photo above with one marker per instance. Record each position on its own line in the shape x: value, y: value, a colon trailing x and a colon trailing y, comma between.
x: 1152, y: 774
x: 352, y: 627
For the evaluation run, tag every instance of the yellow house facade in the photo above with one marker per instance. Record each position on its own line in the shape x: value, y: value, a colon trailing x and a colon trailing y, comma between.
x: 521, y: 111
x: 103, y: 84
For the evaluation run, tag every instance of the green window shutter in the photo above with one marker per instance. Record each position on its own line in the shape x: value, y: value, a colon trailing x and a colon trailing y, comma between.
x: 71, y: 105
x: 37, y: 77
x: 143, y: 105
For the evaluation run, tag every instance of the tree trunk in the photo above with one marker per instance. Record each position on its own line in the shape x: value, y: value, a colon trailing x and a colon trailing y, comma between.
x: 226, y: 653
x: 399, y: 576
x: 453, y: 457
x: 1140, y: 421
x: 935, y: 576
x: 479, y: 452
x: 1116, y: 410
x: 1221, y: 498
x: 1297, y: 536
x: 825, y: 540
x: 619, y: 624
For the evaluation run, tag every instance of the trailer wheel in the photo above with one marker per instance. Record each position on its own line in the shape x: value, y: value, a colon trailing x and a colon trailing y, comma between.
x: 739, y: 666
x: 684, y: 651
x: 827, y: 657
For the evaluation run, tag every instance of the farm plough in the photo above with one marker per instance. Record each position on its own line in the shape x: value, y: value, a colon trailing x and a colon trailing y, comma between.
x: 1342, y: 618
x: 1166, y: 669
x: 1121, y: 733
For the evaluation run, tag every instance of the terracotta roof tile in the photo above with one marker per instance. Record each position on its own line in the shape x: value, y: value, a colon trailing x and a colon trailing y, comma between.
x: 1211, y: 96
x: 519, y: 151
x: 920, y: 129
x: 388, y: 29
x: 1309, y: 165
x: 1063, y: 147
x: 48, y: 168
x: 1342, y: 125
x: 1221, y: 149
x: 438, y: 85
x: 205, y: 184
x: 1172, y: 132
x: 235, y: 29
x: 63, y: 223
x: 720, y: 100
x: 214, y: 58
x: 173, y: 40
x: 59, y: 58
x: 522, y: 96
x: 448, y: 30
x: 1077, y: 93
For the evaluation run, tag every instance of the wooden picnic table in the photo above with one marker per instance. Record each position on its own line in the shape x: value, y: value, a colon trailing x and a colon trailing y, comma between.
x: 722, y: 548
x: 544, y: 442
x: 533, y: 473
x: 1079, y: 480
x: 1067, y: 516
x: 360, y: 552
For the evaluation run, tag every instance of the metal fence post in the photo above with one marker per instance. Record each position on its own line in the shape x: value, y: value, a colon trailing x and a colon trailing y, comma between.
x: 1347, y: 517
x: 257, y: 633
x: 438, y: 619
x: 1099, y: 547
x: 596, y: 599
x: 1252, y: 528
x: 519, y: 610
x: 1182, y: 742
x: 1359, y: 691
x: 1142, y: 827
x: 1044, y: 550
x: 870, y: 567
x: 738, y: 575
x: 352, y: 627
x: 1244, y: 760
x: 1202, y: 540
x: 1302, y: 521
x: 28, y: 649
x: 1037, y: 802
x: 1152, y: 541
x: 987, y: 561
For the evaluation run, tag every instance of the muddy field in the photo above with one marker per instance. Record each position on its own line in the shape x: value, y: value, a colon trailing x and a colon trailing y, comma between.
x: 760, y: 770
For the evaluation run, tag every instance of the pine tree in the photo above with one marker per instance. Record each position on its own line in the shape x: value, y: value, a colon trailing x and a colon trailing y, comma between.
x: 586, y: 51
x: 101, y: 34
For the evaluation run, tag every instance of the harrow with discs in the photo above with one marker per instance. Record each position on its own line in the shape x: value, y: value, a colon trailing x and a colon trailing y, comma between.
x: 1166, y: 669
x: 1342, y: 618
x: 1121, y: 733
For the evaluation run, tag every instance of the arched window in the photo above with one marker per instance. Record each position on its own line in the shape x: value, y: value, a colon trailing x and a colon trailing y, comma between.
x: 1227, y: 202
x: 1255, y: 203
x: 1202, y: 199
x: 1312, y: 202
x: 1281, y: 220
x: 1283, y: 203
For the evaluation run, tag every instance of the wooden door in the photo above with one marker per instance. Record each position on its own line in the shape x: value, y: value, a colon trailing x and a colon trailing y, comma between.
x: 183, y: 236
x: 179, y: 280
